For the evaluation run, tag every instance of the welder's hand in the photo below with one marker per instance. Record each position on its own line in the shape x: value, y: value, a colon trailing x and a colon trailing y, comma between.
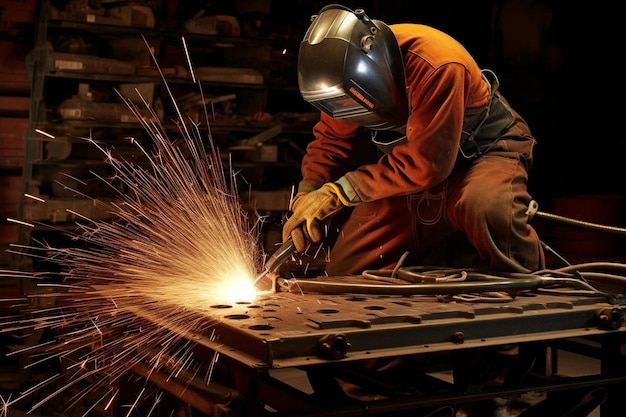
x: 309, y: 211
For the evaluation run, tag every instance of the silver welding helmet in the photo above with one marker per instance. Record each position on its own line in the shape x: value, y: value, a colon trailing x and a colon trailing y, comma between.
x: 351, y: 68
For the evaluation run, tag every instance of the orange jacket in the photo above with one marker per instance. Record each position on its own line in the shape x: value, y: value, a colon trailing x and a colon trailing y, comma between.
x: 443, y: 80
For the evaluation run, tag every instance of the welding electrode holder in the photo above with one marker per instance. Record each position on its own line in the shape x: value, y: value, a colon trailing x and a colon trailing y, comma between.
x: 280, y: 256
x: 274, y: 262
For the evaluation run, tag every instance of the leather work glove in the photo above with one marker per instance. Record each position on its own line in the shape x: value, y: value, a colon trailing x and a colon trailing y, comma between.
x: 310, y: 209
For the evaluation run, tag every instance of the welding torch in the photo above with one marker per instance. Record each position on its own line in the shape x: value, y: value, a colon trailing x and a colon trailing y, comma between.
x: 280, y: 256
x: 275, y: 261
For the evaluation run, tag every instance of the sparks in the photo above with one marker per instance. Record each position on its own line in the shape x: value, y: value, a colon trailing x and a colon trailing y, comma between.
x: 178, y: 243
x: 46, y: 134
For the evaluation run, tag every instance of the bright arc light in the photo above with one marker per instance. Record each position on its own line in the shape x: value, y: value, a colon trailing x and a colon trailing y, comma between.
x: 239, y: 288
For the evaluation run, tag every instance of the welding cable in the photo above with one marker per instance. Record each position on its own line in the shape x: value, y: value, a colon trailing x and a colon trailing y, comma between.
x: 477, y: 283
x: 383, y: 275
x: 547, y: 248
x: 594, y: 265
x: 409, y: 275
x: 486, y: 297
x: 387, y: 275
x: 429, y: 274
x: 586, y: 272
x: 399, y: 264
x: 580, y: 276
x: 447, y: 282
x: 483, y: 288
x: 569, y: 286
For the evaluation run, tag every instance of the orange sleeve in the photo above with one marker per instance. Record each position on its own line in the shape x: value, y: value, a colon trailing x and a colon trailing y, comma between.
x: 330, y: 154
x: 442, y: 81
x: 433, y: 136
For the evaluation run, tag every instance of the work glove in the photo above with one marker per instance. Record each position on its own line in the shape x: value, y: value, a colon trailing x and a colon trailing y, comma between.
x: 309, y: 210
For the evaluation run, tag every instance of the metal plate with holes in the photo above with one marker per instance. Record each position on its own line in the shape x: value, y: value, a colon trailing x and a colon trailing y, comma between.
x: 290, y: 329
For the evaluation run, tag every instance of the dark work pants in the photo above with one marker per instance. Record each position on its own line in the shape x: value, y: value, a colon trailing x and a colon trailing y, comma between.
x: 485, y: 199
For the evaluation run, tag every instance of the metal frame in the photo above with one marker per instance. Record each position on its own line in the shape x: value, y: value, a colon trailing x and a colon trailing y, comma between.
x: 331, y: 335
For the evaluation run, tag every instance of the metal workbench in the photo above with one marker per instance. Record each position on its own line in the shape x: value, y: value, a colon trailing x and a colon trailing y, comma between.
x: 330, y: 336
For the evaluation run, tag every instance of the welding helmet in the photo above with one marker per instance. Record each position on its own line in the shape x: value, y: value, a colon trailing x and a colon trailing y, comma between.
x: 351, y: 68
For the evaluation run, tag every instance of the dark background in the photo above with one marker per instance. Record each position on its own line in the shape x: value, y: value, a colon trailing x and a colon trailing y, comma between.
x: 558, y: 61
x: 566, y: 88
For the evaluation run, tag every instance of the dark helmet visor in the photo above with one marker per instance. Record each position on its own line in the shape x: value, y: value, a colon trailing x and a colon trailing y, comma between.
x: 351, y: 68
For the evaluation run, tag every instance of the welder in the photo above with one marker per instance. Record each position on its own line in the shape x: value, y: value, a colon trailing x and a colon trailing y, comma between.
x: 451, y: 155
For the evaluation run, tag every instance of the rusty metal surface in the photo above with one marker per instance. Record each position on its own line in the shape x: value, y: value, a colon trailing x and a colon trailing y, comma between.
x: 290, y: 329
